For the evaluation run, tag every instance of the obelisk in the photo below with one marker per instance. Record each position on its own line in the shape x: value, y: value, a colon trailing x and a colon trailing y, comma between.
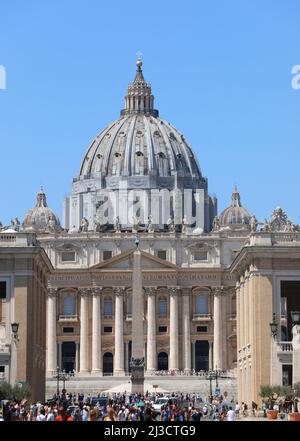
x: 138, y: 355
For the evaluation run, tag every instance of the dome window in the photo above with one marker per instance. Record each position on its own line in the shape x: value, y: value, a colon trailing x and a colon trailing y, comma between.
x: 161, y: 155
x: 117, y: 154
x: 139, y: 153
x: 172, y: 136
x: 99, y: 156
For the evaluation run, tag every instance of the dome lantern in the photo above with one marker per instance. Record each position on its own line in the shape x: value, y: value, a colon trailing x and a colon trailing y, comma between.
x: 139, y: 98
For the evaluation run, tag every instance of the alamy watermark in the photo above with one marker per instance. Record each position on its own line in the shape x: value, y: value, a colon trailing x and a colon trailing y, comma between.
x: 296, y: 78
x: 2, y: 77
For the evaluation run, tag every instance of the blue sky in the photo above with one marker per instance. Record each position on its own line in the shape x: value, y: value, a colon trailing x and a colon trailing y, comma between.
x: 220, y: 72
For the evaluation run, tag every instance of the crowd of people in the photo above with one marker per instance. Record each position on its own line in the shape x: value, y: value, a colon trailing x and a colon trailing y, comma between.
x: 124, y: 407
x: 201, y: 373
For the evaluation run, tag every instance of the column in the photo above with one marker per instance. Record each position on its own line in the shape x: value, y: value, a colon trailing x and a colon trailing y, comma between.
x: 173, y: 359
x: 151, y: 331
x: 119, y: 343
x: 77, y: 357
x: 194, y: 354
x: 51, y: 331
x: 210, y: 355
x: 126, y: 362
x: 60, y: 354
x: 96, y: 335
x: 84, y: 337
x: 217, y: 292
x: 296, y: 353
x: 186, y: 330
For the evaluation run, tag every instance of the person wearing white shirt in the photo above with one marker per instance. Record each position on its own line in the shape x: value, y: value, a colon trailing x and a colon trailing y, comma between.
x: 230, y: 414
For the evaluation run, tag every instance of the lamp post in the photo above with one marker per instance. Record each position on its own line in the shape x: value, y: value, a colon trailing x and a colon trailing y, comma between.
x: 61, y: 376
x: 13, y: 356
x: 295, y: 317
x: 274, y: 326
x: 296, y: 346
x: 213, y: 375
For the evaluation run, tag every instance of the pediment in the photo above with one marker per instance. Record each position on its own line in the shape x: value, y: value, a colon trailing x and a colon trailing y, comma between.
x: 124, y: 261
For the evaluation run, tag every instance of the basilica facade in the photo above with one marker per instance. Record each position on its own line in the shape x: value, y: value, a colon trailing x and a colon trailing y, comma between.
x: 140, y: 187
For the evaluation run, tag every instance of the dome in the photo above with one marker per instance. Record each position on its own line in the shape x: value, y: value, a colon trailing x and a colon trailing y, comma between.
x: 138, y: 166
x: 139, y: 143
x: 41, y: 218
x: 235, y: 214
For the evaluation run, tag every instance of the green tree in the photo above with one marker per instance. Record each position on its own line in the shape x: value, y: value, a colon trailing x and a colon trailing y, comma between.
x: 6, y: 391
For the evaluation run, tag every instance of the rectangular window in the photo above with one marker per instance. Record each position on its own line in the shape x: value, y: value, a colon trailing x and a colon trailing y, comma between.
x: 2, y: 369
x: 200, y: 256
x: 162, y: 308
x: 68, y: 256
x: 108, y: 307
x: 201, y: 329
x: 162, y: 254
x: 201, y: 304
x: 287, y: 375
x: 107, y: 255
x: 107, y: 329
x: 68, y: 330
x: 2, y: 290
x: 162, y: 329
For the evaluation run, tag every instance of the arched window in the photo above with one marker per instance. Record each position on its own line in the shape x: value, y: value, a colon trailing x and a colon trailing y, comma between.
x: 201, y: 304
x: 162, y: 307
x: 107, y: 306
x: 69, y: 305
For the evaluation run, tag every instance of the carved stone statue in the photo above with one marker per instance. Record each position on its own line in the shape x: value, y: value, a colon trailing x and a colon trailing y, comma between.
x: 216, y: 224
x: 253, y: 223
x: 135, y: 224
x: 265, y: 226
x: 15, y: 224
x: 1, y: 226
x: 117, y: 225
x: 289, y: 227
x: 51, y: 223
x: 184, y: 225
x: 171, y: 225
x: 84, y: 225
x: 150, y: 226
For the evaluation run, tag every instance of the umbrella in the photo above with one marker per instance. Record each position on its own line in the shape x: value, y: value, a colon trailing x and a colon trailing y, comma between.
x: 141, y: 404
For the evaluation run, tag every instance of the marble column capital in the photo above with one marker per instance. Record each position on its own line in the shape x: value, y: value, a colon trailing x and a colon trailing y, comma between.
x: 150, y: 290
x: 218, y: 291
x: 119, y: 291
x: 96, y: 291
x: 84, y: 292
x: 174, y: 290
x: 52, y: 292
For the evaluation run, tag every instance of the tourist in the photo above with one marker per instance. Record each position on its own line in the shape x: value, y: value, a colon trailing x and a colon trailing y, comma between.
x: 230, y: 414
